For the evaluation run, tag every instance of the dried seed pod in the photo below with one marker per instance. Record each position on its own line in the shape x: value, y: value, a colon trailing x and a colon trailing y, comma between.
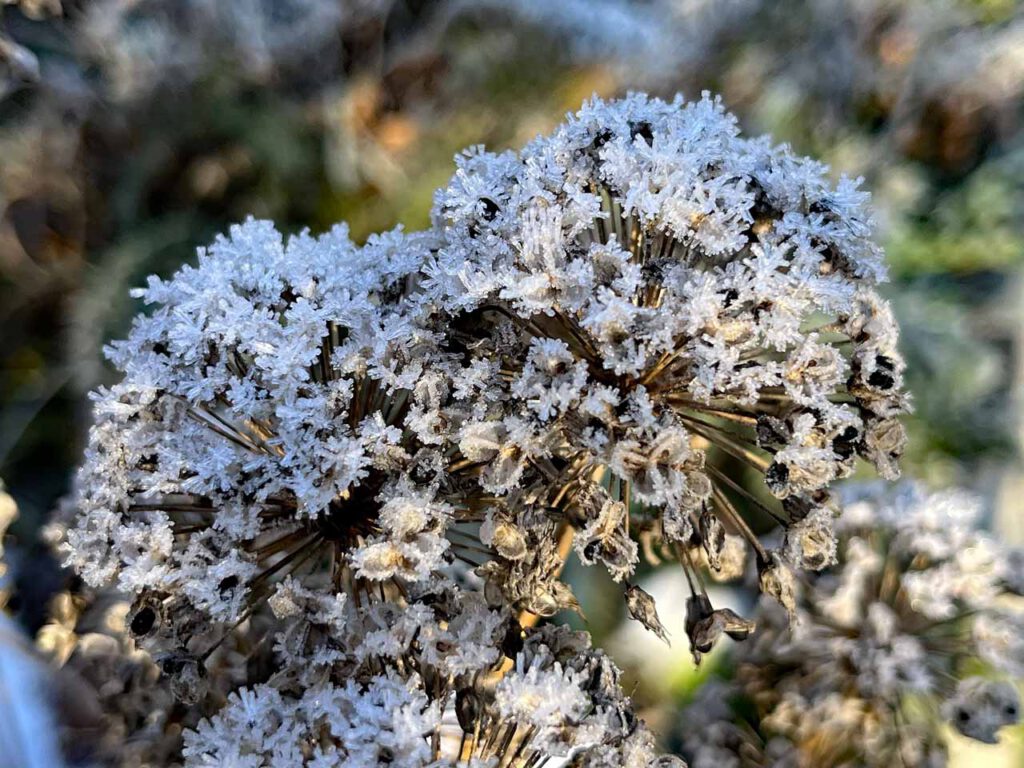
x: 884, y: 442
x: 146, y: 615
x: 712, y: 538
x: 776, y: 477
x: 698, y: 608
x: 641, y: 607
x: 187, y: 674
x: 732, y: 560
x: 811, y: 543
x: 721, y: 621
x: 588, y: 502
x: 771, y: 431
x: 777, y: 581
x: 509, y: 541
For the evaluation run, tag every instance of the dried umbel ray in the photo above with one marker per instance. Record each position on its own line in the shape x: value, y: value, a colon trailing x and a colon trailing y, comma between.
x: 919, y: 625
x: 641, y: 294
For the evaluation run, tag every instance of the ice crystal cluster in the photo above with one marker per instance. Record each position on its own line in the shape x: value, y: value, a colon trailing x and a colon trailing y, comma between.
x: 920, y: 624
x: 380, y: 455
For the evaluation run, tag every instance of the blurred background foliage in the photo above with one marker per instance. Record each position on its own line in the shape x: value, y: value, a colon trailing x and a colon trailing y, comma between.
x: 132, y: 131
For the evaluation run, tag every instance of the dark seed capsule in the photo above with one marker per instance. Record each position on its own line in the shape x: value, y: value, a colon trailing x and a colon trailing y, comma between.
x: 643, y: 130
x: 143, y: 621
x: 845, y: 444
x: 771, y: 431
x: 881, y: 379
x: 512, y: 642
x: 796, y: 509
x: 776, y: 477
x: 491, y: 208
x: 467, y: 709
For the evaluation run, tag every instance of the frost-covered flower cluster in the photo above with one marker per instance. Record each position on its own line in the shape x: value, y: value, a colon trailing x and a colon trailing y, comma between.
x: 374, y: 460
x: 275, y: 418
x: 643, y: 294
x: 441, y: 681
x: 920, y: 624
x: 590, y: 325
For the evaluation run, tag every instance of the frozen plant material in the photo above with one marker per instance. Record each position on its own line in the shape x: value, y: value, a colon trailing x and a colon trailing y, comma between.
x: 918, y: 625
x: 276, y: 418
x: 645, y: 293
x: 114, y: 708
x: 465, y: 686
x: 383, y: 722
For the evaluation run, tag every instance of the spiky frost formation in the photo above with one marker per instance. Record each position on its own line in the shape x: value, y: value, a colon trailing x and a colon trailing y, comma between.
x: 919, y: 624
x: 274, y: 418
x: 644, y: 293
x: 440, y: 679
x: 382, y: 723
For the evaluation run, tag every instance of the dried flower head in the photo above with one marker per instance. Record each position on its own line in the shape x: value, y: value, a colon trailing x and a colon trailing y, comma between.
x: 644, y: 295
x: 889, y: 645
x: 276, y: 417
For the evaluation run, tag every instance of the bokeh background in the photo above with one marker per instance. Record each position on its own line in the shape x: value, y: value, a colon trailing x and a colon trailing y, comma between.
x: 132, y: 131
